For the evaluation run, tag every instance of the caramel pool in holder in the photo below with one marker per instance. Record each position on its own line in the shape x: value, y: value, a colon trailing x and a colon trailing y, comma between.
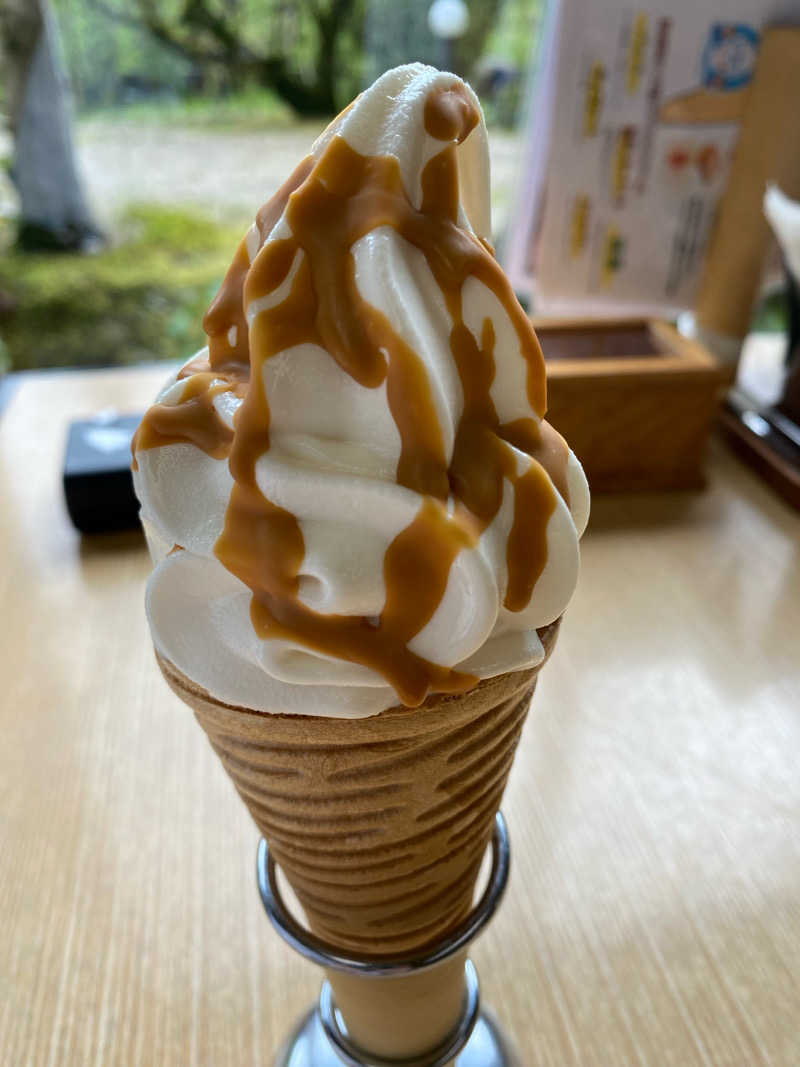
x: 380, y: 994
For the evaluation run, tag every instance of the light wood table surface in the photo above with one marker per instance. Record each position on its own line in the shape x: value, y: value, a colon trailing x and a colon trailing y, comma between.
x: 653, y: 915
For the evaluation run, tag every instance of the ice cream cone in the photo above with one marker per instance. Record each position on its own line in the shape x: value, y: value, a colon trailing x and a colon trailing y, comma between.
x: 351, y: 491
x: 379, y: 823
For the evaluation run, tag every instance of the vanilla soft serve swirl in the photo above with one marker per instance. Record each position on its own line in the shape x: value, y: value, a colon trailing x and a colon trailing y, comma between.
x: 352, y: 497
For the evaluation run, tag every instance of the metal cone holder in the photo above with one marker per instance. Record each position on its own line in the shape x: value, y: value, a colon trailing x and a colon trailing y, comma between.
x: 321, y: 1040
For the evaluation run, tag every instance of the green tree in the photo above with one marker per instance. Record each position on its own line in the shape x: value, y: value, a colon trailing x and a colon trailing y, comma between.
x: 306, y: 51
x: 102, y: 55
x: 483, y: 17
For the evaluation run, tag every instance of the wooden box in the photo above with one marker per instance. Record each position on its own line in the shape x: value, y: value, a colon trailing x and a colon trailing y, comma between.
x: 634, y: 399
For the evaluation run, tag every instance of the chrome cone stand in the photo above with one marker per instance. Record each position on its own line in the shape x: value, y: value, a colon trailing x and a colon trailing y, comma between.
x: 320, y: 1038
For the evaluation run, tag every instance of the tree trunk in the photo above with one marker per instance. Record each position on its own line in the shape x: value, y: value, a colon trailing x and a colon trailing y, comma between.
x: 483, y: 16
x: 310, y: 101
x: 54, y: 211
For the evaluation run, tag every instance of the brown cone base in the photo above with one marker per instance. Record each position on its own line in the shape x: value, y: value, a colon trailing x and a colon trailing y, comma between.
x: 380, y: 823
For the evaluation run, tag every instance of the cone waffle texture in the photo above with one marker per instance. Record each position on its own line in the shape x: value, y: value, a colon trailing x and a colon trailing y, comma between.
x: 380, y: 823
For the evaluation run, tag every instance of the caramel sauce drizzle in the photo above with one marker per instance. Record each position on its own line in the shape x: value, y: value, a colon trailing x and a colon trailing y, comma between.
x: 329, y: 205
x: 194, y: 418
x: 450, y: 115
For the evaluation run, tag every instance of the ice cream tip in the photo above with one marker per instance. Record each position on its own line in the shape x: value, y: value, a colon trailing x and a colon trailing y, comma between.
x: 351, y: 494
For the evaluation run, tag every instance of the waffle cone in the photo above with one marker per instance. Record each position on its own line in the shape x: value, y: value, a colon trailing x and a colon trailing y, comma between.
x: 380, y: 823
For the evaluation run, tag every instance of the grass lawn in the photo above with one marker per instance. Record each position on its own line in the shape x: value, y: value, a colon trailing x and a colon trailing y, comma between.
x: 142, y: 298
x: 248, y: 109
x: 144, y: 295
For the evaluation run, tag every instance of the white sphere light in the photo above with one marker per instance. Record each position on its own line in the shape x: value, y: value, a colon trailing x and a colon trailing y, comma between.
x: 448, y: 19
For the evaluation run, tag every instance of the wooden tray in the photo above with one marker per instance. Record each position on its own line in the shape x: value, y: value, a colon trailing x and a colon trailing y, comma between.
x: 634, y: 399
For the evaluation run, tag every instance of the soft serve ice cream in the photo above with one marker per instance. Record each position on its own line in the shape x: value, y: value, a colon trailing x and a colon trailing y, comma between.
x: 351, y: 495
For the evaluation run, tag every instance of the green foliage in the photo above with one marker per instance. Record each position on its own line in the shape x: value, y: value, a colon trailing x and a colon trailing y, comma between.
x: 516, y: 31
x: 513, y: 41
x: 398, y: 33
x: 116, y: 60
x: 101, y: 54
x: 141, y: 300
x: 118, y: 50
x: 248, y: 109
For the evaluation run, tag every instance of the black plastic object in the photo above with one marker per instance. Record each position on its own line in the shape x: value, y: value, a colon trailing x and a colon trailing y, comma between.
x: 98, y: 483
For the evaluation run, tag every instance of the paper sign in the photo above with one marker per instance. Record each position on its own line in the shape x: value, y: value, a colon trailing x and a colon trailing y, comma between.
x: 629, y: 142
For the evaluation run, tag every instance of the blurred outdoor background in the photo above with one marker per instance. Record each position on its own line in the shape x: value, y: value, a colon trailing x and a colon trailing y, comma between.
x: 174, y: 120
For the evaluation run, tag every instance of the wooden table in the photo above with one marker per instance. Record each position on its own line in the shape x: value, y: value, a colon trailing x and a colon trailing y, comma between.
x: 654, y: 909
